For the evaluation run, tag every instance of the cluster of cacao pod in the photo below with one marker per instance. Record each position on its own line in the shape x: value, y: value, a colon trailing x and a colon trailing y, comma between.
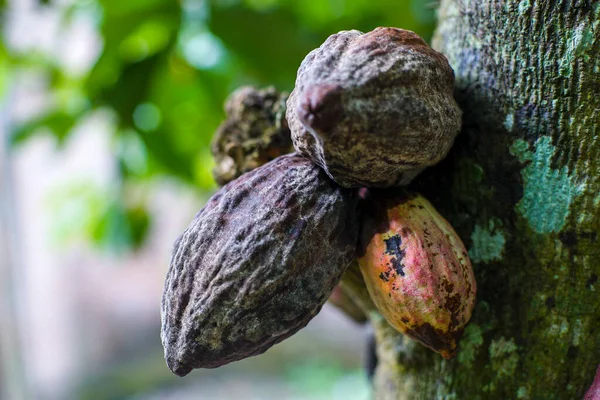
x: 367, y: 114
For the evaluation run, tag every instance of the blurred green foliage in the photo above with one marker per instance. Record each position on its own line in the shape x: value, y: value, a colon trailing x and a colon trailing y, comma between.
x: 165, y: 69
x: 81, y: 209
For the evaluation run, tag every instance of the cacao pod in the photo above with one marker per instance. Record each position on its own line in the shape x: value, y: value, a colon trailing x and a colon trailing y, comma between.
x: 256, y: 264
x: 374, y: 109
x: 254, y: 133
x: 417, y: 270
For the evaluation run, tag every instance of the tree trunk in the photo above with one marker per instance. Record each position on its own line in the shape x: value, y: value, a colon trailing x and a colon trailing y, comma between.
x: 522, y: 188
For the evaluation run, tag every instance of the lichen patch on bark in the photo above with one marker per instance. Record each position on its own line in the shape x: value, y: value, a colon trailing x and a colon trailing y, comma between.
x: 487, y: 243
x: 547, y: 192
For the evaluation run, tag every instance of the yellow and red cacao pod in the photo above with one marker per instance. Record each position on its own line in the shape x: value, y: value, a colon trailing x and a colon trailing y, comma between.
x: 417, y: 270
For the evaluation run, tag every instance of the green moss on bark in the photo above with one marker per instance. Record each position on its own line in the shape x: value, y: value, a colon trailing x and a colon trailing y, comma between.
x: 521, y: 188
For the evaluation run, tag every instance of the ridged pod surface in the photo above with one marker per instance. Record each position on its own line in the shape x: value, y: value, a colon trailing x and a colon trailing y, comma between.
x: 374, y: 109
x: 254, y: 133
x: 256, y: 264
x: 417, y: 270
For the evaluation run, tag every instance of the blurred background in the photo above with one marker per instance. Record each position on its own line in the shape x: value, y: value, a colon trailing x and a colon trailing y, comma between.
x: 107, y: 108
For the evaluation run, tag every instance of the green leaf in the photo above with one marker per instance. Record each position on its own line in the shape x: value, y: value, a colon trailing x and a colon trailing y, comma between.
x: 138, y: 221
x: 130, y: 89
x: 268, y: 57
x: 110, y: 231
x: 4, y: 70
x: 59, y: 123
x: 118, y: 228
x: 121, y: 8
x: 132, y: 31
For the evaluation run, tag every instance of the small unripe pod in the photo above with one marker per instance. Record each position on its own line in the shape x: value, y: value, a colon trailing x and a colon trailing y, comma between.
x: 374, y: 109
x: 417, y: 271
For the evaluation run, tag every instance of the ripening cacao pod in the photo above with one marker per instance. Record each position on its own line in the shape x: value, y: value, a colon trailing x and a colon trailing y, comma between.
x: 374, y: 109
x: 417, y: 270
x: 256, y: 264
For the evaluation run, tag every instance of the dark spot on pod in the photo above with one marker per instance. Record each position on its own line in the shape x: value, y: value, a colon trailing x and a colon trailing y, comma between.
x: 435, y: 339
x: 398, y: 266
x: 453, y: 304
x: 448, y: 286
x: 373, y: 209
x: 392, y: 247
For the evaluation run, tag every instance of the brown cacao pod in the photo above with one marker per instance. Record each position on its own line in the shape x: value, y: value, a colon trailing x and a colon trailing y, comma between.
x: 256, y: 264
x: 254, y: 133
x: 374, y: 109
x: 417, y: 270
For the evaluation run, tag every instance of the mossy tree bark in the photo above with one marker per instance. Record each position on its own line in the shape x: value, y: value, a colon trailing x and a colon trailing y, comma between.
x: 522, y: 188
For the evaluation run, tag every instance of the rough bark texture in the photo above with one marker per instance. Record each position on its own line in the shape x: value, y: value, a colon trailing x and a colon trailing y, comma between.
x: 521, y: 188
